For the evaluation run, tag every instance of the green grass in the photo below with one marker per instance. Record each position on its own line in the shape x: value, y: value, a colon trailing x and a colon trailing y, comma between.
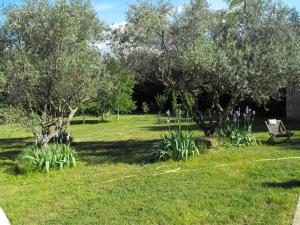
x: 115, y: 183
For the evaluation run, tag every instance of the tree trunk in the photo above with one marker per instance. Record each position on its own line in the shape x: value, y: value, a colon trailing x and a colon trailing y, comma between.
x: 83, y: 118
x: 209, y: 127
x: 61, y: 126
x: 118, y: 114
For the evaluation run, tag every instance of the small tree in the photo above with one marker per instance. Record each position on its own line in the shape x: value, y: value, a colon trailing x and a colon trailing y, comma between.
x: 175, y: 106
x: 120, y: 95
x: 161, y: 101
x: 145, y: 107
x: 50, y: 63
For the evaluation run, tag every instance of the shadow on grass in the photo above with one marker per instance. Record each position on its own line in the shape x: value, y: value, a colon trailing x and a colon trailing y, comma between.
x: 258, y: 126
x: 172, y: 127
x: 79, y: 122
x: 127, y: 151
x: 288, y: 184
x: 11, y: 147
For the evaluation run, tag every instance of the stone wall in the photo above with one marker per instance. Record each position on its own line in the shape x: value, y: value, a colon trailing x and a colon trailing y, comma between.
x: 293, y: 103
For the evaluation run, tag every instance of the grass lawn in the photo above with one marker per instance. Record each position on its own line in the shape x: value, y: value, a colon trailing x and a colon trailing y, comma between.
x: 114, y: 182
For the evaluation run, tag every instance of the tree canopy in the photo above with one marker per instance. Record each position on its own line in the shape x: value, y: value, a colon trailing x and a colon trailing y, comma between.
x: 50, y: 62
x: 250, y: 50
x: 117, y: 97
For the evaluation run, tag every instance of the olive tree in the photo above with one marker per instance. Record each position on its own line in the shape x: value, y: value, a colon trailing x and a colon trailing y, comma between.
x: 50, y: 63
x: 247, y: 50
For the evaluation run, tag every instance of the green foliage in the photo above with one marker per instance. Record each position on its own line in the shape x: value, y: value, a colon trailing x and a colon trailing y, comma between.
x: 92, y: 108
x: 238, y: 131
x: 237, y: 134
x: 145, y: 107
x: 250, y: 49
x: 53, y: 156
x: 50, y: 61
x: 161, y: 101
x: 178, y: 145
x: 29, y: 121
x: 175, y: 105
x: 177, y: 108
x: 118, y: 95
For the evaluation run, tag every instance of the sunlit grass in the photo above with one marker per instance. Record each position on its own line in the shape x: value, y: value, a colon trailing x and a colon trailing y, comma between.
x: 116, y: 183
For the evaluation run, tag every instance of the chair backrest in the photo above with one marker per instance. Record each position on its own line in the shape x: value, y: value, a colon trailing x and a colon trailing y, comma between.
x: 275, y: 127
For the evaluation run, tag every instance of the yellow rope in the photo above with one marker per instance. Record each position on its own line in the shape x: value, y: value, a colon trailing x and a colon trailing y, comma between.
x: 187, y: 170
x: 119, y: 178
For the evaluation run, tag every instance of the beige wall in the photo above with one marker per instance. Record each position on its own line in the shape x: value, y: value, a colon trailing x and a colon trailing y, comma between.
x: 293, y: 103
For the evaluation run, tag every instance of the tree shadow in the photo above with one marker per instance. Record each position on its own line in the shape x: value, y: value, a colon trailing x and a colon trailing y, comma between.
x: 80, y: 122
x: 287, y: 185
x: 11, y: 147
x: 282, y: 142
x: 258, y: 126
x: 127, y: 151
x: 172, y: 127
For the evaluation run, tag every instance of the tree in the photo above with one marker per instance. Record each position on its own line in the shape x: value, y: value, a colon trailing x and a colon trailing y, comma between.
x: 120, y: 95
x: 244, y: 51
x: 294, y: 23
x: 145, y: 107
x: 50, y: 63
x: 117, y: 97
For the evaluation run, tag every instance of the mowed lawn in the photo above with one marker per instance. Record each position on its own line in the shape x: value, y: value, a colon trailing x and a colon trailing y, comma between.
x: 116, y: 183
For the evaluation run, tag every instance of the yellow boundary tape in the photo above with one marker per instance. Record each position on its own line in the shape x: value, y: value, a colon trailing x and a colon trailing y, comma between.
x: 176, y: 170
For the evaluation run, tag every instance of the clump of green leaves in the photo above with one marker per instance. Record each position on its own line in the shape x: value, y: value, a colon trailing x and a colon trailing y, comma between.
x: 145, y: 107
x: 238, y: 130
x: 161, y: 101
x: 54, y: 156
x: 178, y: 145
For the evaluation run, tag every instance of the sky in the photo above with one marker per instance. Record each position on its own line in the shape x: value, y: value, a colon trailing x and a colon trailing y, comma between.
x: 114, y: 11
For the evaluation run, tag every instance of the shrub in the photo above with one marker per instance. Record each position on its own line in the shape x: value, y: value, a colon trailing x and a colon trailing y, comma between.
x: 176, y: 145
x: 145, y: 108
x: 161, y: 101
x: 238, y: 130
x: 54, y: 156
